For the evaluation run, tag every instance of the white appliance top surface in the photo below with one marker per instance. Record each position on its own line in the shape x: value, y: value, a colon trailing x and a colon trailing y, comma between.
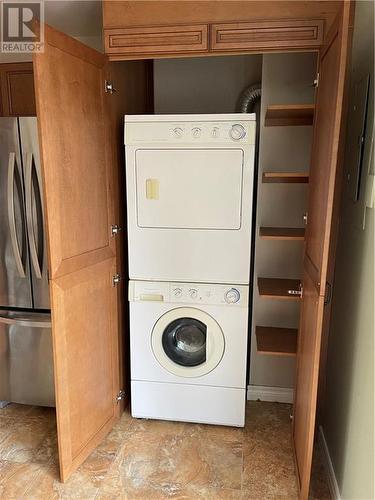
x: 191, y: 118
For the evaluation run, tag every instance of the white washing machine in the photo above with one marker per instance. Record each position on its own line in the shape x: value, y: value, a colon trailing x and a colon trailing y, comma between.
x: 189, y: 195
x: 188, y: 345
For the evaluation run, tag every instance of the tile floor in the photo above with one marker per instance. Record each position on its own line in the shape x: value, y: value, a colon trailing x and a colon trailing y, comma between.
x: 155, y: 459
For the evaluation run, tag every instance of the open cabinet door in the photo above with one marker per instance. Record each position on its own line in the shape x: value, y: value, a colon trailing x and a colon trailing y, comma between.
x: 328, y: 125
x: 69, y: 84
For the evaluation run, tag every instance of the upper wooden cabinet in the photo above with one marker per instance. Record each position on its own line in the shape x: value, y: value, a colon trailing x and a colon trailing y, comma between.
x: 17, y: 90
x: 138, y: 29
x: 143, y: 42
x: 263, y: 35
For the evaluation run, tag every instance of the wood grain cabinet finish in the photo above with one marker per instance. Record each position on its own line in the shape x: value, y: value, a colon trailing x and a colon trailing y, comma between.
x: 17, y: 89
x: 146, y: 42
x: 266, y: 35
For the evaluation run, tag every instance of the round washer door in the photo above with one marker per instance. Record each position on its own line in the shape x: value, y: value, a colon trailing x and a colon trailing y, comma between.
x: 187, y: 342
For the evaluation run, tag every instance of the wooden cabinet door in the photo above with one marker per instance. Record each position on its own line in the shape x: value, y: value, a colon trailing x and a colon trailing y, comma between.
x: 17, y: 89
x: 155, y: 41
x: 69, y: 84
x: 266, y: 35
x: 328, y: 126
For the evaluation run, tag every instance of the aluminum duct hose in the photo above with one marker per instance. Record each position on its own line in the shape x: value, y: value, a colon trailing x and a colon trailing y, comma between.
x: 249, y: 97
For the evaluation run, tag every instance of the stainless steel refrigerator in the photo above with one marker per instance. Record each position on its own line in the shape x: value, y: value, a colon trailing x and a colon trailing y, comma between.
x: 26, y: 361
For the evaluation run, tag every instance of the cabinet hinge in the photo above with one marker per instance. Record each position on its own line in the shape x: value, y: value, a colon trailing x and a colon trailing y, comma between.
x: 120, y: 396
x: 116, y: 279
x: 305, y: 218
x: 316, y: 81
x: 109, y: 88
x: 115, y: 229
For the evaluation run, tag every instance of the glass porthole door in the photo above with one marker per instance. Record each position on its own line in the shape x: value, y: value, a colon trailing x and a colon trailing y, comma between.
x: 188, y: 342
x: 184, y: 341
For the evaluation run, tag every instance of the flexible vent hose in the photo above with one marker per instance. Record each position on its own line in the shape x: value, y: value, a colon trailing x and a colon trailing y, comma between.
x: 249, y: 97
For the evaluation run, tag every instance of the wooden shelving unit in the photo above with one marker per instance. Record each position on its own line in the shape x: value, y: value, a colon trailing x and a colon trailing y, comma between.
x: 276, y: 341
x: 285, y: 177
x: 282, y: 233
x: 278, y: 288
x: 285, y: 115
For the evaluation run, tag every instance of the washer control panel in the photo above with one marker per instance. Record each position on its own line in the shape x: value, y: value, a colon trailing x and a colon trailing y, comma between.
x: 189, y: 293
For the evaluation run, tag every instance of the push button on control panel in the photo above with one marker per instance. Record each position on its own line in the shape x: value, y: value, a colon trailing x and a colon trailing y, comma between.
x: 215, y: 133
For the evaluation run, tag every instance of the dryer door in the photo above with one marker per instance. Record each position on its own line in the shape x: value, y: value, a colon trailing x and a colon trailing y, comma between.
x: 187, y: 342
x: 189, y: 188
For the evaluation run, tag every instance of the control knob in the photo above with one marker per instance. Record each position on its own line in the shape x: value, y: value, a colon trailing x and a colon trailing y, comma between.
x: 177, y: 292
x: 232, y: 296
x: 237, y: 132
x: 178, y: 132
x: 193, y: 293
x: 196, y: 132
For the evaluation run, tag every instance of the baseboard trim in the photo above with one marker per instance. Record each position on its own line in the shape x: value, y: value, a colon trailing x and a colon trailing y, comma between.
x: 265, y: 393
x: 332, y: 481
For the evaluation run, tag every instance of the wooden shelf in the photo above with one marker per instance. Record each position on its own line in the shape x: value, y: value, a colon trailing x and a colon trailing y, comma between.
x: 277, y: 341
x: 277, y: 288
x: 284, y: 115
x: 286, y: 177
x: 282, y: 233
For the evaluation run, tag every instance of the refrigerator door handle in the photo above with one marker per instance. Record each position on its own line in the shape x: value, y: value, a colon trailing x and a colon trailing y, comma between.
x: 29, y: 216
x: 27, y: 322
x: 11, y: 215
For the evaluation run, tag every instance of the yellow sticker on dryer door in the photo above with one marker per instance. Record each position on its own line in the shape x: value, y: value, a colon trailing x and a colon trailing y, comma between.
x: 152, y: 189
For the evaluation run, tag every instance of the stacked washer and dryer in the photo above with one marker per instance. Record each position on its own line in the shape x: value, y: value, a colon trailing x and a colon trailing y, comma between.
x: 189, y: 195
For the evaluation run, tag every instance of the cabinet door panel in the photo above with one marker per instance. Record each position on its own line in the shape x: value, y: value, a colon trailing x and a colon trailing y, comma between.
x: 263, y: 35
x: 77, y: 170
x: 70, y: 112
x: 144, y: 42
x: 85, y: 350
x: 328, y: 138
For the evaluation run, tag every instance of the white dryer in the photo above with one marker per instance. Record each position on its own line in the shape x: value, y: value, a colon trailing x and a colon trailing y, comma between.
x: 188, y: 345
x: 189, y: 194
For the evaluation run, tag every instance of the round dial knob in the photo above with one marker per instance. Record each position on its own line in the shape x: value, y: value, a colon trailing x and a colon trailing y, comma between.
x: 193, y: 293
x: 232, y: 296
x: 196, y: 132
x: 178, y: 132
x: 237, y: 132
x: 177, y: 292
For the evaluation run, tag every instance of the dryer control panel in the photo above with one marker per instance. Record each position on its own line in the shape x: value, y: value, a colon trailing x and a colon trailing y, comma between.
x: 234, y: 129
x: 189, y: 293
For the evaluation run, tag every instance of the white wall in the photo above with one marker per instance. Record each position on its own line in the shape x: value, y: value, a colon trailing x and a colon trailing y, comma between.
x: 286, y: 79
x: 349, y: 418
x: 204, y: 84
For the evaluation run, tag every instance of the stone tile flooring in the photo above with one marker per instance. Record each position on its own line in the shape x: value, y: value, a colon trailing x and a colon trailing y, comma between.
x: 149, y: 459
